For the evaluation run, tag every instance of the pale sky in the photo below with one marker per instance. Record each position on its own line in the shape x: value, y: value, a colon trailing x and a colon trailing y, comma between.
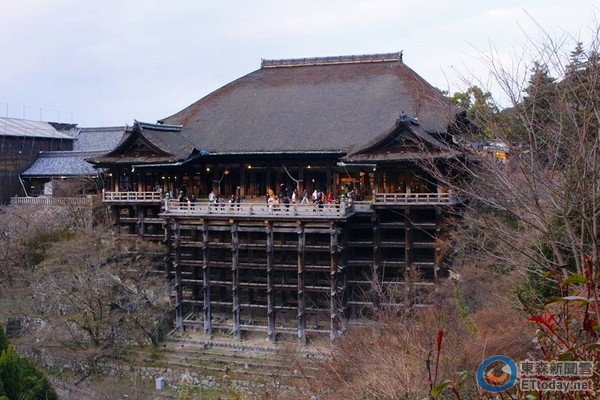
x: 108, y: 62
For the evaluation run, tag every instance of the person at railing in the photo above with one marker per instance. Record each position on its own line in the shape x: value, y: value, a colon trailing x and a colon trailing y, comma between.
x: 305, y: 197
x: 191, y: 201
x: 212, y: 197
x: 273, y: 204
x: 286, y: 202
x: 181, y: 197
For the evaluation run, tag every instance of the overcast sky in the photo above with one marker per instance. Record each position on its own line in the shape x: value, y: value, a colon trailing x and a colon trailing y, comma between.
x: 108, y: 62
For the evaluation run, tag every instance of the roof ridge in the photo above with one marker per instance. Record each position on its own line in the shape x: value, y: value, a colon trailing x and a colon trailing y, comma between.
x: 314, y: 61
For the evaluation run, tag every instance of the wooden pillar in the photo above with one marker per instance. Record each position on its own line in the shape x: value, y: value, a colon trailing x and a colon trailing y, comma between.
x: 408, y: 239
x: 115, y: 215
x: 269, y: 184
x: 242, y: 182
x: 168, y: 233
x: 178, y: 277
x: 438, y: 254
x: 206, y: 279
x: 343, y: 278
x: 377, y: 273
x: 216, y: 181
x: 195, y: 271
x: 235, y: 258
x: 141, y: 228
x: 301, y: 184
x: 301, y: 286
x: 328, y: 186
x: 333, y: 290
x: 271, y: 335
x: 114, y: 180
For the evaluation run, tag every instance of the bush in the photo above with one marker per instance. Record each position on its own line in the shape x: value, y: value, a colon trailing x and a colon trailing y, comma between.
x: 19, y: 378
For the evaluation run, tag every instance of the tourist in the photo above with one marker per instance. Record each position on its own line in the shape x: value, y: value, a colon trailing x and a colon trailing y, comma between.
x: 304, y: 197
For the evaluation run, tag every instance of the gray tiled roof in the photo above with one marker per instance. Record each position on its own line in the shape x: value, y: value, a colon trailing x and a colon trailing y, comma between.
x: 328, y: 104
x: 167, y: 142
x: 61, y: 163
x: 98, y: 139
x: 90, y: 142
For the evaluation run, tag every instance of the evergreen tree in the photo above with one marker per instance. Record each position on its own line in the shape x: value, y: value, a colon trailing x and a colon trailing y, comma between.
x: 478, y: 105
x: 3, y: 339
x: 10, y: 373
x: 19, y: 377
x: 539, y: 108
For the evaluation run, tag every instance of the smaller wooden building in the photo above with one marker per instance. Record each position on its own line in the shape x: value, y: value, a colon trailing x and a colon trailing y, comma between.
x: 20, y: 142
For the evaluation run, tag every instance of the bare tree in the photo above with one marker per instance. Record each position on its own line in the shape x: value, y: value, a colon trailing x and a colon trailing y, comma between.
x: 539, y: 210
x: 102, y: 293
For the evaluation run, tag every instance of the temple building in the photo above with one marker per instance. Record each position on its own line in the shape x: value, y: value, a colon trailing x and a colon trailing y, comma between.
x: 20, y: 142
x: 295, y: 199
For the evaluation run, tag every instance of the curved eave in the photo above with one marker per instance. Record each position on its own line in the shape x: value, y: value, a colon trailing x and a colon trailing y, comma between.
x: 287, y: 153
x: 400, y: 157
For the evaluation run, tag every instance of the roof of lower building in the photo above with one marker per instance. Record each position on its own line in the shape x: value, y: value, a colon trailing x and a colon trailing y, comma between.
x: 313, y: 104
x: 98, y: 139
x: 89, y: 143
x: 62, y: 163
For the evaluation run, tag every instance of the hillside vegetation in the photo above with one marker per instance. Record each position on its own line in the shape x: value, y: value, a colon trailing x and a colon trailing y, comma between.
x: 524, y: 256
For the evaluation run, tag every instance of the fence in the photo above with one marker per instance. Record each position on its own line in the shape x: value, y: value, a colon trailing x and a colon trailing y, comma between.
x: 52, y: 201
x: 175, y: 207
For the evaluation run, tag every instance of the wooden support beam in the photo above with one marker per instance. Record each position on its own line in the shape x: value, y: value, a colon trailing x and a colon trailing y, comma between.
x: 343, y: 278
x: 235, y: 259
x: 141, y: 229
x: 242, y: 186
x: 408, y: 242
x: 167, y: 242
x: 333, y: 290
x: 301, y: 286
x: 195, y: 270
x: 271, y: 335
x: 377, y: 273
x: 206, y: 279
x: 438, y: 256
x: 178, y: 287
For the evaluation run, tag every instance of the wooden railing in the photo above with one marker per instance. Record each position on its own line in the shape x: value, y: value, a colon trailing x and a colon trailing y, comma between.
x: 52, y: 201
x: 174, y: 207
x: 134, y: 197
x: 413, y: 198
x: 258, y: 208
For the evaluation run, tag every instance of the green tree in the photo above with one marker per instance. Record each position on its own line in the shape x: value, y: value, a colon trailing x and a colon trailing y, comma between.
x: 19, y: 377
x: 478, y: 104
x: 11, y: 373
x: 3, y: 339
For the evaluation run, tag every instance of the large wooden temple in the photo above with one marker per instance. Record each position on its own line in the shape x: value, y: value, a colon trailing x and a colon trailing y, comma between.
x: 223, y: 182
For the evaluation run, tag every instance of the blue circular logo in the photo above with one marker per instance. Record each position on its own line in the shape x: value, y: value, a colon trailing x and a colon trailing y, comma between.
x: 497, y: 374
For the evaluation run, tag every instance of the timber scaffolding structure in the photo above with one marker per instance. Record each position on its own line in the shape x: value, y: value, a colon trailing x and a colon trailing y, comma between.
x: 297, y: 269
